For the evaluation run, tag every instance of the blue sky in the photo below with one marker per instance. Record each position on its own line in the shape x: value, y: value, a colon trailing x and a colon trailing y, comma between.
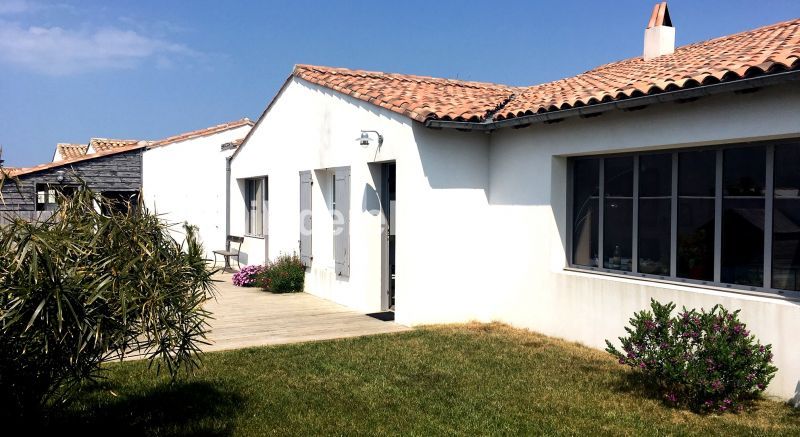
x: 71, y: 70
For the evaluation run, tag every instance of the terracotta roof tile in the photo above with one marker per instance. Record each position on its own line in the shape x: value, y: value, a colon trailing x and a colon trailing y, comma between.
x: 103, y: 144
x: 121, y: 146
x: 761, y: 51
x: 202, y: 132
x: 88, y: 156
x: 418, y: 97
x: 67, y: 150
x: 765, y: 50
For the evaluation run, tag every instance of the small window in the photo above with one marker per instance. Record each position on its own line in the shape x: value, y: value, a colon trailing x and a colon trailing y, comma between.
x: 256, y: 199
x: 47, y: 196
x: 119, y: 202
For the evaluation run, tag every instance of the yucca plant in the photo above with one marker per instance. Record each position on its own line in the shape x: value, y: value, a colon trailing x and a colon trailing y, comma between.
x: 92, y: 284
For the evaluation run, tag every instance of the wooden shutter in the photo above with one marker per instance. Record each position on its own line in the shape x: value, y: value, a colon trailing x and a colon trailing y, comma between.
x: 342, y: 236
x: 305, y: 217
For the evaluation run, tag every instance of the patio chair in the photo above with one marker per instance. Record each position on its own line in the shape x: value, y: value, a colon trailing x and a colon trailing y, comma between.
x: 229, y: 253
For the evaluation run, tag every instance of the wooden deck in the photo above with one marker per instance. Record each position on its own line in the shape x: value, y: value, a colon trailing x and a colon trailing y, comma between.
x: 245, y: 317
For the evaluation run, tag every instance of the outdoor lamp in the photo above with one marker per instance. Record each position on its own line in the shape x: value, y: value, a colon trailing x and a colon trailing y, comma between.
x: 364, y: 140
x: 60, y: 177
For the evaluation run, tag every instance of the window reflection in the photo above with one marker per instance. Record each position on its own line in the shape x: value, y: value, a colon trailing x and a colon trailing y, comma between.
x: 586, y: 212
x: 696, y: 187
x: 744, y: 177
x: 786, y: 219
x: 618, y: 214
x: 655, y: 209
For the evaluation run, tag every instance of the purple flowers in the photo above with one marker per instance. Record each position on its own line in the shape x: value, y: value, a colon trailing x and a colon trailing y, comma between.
x: 705, y: 360
x: 246, y: 277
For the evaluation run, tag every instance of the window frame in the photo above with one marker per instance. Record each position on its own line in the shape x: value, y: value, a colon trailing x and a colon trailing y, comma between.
x: 671, y: 278
x: 247, y: 207
x: 51, y: 193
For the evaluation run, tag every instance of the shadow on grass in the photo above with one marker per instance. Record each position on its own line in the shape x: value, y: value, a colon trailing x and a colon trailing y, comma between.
x: 635, y: 384
x: 195, y: 408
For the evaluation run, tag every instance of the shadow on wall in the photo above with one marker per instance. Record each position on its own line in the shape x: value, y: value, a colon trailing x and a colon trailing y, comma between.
x: 370, y: 201
x: 795, y: 400
x: 452, y: 159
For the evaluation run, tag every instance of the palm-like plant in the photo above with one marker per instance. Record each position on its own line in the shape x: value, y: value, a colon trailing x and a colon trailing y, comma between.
x: 93, y: 283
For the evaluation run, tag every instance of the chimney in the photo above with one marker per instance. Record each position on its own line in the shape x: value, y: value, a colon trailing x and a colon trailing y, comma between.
x: 659, y: 37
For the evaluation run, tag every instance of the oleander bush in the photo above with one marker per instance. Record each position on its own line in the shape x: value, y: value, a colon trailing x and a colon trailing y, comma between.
x: 90, y: 285
x: 706, y: 361
x: 284, y: 275
x: 248, y: 276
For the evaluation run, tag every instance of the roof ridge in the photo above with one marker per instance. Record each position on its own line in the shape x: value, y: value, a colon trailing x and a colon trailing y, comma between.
x: 766, y: 28
x: 401, y: 76
x: 210, y: 130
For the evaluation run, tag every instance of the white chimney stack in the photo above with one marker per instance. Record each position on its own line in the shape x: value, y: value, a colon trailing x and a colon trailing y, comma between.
x: 659, y: 37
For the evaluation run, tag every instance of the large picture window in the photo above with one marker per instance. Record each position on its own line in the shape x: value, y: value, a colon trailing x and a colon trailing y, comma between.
x: 727, y: 216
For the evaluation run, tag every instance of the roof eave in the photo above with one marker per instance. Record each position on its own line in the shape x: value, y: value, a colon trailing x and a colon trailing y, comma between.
x: 633, y: 102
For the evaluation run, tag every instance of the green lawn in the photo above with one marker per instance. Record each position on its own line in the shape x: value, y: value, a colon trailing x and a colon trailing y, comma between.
x: 475, y: 379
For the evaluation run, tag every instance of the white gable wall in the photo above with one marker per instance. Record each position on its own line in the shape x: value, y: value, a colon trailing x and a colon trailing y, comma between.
x: 442, y: 180
x: 528, y: 174
x: 185, y: 181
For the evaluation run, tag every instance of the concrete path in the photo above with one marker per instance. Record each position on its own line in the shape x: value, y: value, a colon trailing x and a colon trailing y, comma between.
x: 245, y: 317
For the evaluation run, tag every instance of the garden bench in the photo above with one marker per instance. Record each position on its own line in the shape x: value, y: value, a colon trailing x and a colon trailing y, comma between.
x: 229, y: 253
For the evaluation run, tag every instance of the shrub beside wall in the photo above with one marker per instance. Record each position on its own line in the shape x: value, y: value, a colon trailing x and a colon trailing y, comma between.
x: 703, y: 360
x: 284, y: 275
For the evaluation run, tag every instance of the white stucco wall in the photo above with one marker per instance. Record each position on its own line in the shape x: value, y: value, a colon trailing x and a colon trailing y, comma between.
x: 481, y: 218
x: 527, y: 199
x: 185, y: 181
x: 442, y: 186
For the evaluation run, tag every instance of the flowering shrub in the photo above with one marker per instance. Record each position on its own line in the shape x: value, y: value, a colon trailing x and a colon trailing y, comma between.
x: 246, y: 277
x: 703, y: 360
x: 284, y: 275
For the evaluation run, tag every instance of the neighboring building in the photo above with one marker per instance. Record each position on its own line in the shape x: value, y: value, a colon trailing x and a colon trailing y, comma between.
x: 185, y: 179
x: 115, y: 173
x: 561, y: 207
x: 182, y: 177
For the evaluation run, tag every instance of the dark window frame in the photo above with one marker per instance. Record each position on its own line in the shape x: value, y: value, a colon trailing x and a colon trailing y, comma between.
x: 672, y: 278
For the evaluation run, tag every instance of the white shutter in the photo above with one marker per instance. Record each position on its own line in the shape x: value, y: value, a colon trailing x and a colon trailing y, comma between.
x: 342, y: 235
x: 305, y: 217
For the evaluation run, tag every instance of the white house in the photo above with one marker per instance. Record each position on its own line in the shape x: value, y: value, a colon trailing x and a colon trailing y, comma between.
x: 562, y: 207
x: 184, y: 178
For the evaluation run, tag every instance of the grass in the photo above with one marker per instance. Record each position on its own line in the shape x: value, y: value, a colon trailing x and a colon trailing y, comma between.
x: 467, y: 379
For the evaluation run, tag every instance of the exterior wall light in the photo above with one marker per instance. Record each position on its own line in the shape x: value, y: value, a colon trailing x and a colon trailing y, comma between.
x: 60, y: 176
x: 364, y: 140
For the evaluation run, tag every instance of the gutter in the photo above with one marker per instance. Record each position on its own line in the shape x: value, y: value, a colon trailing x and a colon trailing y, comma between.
x: 227, y: 197
x: 633, y: 103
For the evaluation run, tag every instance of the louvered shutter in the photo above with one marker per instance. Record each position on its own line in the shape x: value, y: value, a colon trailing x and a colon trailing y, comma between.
x: 342, y: 235
x: 305, y: 217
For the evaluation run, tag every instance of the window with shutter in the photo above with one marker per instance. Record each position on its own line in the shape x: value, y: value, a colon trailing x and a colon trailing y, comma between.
x: 341, y: 239
x: 305, y: 217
